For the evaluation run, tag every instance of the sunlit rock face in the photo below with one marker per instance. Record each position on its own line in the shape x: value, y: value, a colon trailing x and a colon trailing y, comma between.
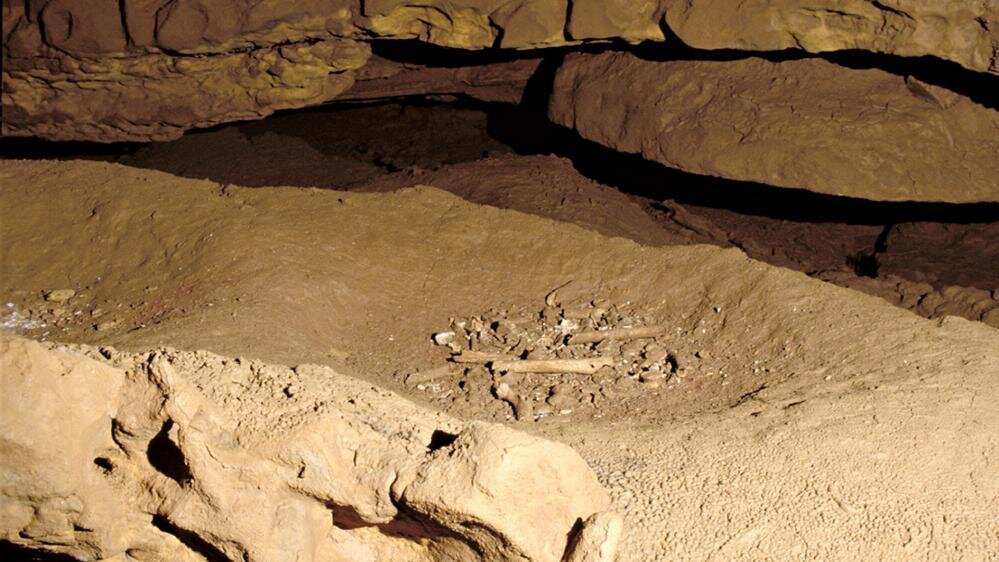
x: 803, y: 123
x: 150, y: 69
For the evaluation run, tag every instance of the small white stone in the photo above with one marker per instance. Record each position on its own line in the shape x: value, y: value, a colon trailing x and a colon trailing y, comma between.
x: 60, y: 295
x: 443, y: 338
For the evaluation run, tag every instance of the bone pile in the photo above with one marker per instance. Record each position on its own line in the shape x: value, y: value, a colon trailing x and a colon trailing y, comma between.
x: 529, y: 357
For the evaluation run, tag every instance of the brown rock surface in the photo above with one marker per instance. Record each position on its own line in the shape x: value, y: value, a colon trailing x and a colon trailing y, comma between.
x: 159, y: 96
x: 501, y: 82
x: 247, y: 461
x: 807, y: 124
x: 150, y: 69
x: 963, y: 31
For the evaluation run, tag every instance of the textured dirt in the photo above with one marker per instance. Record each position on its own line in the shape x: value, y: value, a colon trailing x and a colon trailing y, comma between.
x: 932, y: 267
x: 812, y: 421
x: 932, y: 261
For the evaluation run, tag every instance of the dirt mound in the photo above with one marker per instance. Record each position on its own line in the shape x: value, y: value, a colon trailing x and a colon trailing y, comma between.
x: 187, y: 455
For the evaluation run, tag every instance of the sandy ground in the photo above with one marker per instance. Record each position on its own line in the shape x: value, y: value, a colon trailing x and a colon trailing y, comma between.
x: 803, y: 420
x: 932, y: 260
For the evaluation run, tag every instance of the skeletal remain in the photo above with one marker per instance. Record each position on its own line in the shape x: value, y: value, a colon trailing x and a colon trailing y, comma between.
x: 523, y: 409
x: 579, y: 366
x: 616, y: 334
x: 429, y: 375
x: 468, y: 356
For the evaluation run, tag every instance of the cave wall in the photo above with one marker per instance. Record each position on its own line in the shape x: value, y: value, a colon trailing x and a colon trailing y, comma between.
x: 139, y: 70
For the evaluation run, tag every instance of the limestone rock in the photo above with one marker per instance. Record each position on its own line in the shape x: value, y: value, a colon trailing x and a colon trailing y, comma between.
x: 477, y: 480
x: 806, y: 123
x: 139, y: 70
x: 962, y: 31
x: 598, y: 539
x: 179, y: 456
x: 501, y: 82
x: 158, y: 96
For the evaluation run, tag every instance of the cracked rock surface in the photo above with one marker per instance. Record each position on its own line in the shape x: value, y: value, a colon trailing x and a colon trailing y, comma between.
x: 806, y: 123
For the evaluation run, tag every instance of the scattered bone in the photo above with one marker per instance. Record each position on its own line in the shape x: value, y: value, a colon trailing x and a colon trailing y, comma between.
x: 503, y: 350
x: 428, y: 375
x: 578, y: 366
x: 643, y: 332
x: 523, y: 409
x: 482, y: 357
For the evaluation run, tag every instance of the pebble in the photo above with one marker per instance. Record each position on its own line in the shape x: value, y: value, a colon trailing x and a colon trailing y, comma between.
x: 60, y: 295
x: 443, y: 338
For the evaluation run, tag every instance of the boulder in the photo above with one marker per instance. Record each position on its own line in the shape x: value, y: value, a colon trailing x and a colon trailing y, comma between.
x: 185, y: 456
x: 807, y: 123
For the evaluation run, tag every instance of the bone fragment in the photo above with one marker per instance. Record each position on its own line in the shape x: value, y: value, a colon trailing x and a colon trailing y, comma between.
x: 579, y: 366
x: 467, y: 356
x: 617, y: 334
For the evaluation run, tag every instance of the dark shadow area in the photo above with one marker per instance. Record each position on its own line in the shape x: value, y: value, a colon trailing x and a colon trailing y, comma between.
x: 190, y: 539
x: 980, y: 87
x: 522, y: 129
x: 21, y: 148
x: 406, y: 525
x: 417, y: 52
x: 441, y: 439
x: 11, y: 552
x: 166, y: 457
x: 404, y: 141
x: 527, y: 130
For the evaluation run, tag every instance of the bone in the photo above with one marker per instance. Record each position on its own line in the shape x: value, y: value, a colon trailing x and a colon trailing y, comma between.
x: 429, y: 375
x: 467, y: 356
x: 577, y: 366
x: 616, y: 334
x: 523, y: 409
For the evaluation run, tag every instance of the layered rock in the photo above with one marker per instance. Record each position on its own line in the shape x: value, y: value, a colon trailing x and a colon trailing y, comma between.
x: 964, y: 31
x: 186, y: 456
x: 502, y: 82
x: 799, y: 123
x: 150, y: 69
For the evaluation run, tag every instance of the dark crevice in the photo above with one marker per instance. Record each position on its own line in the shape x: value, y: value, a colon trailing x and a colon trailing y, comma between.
x: 191, y: 540
x: 166, y: 457
x: 104, y: 464
x: 441, y: 439
x: 573, y: 537
x: 867, y: 264
x: 412, y: 51
x: 980, y: 87
x: 16, y: 553
x: 529, y: 132
x: 405, y: 525
x: 123, y: 15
